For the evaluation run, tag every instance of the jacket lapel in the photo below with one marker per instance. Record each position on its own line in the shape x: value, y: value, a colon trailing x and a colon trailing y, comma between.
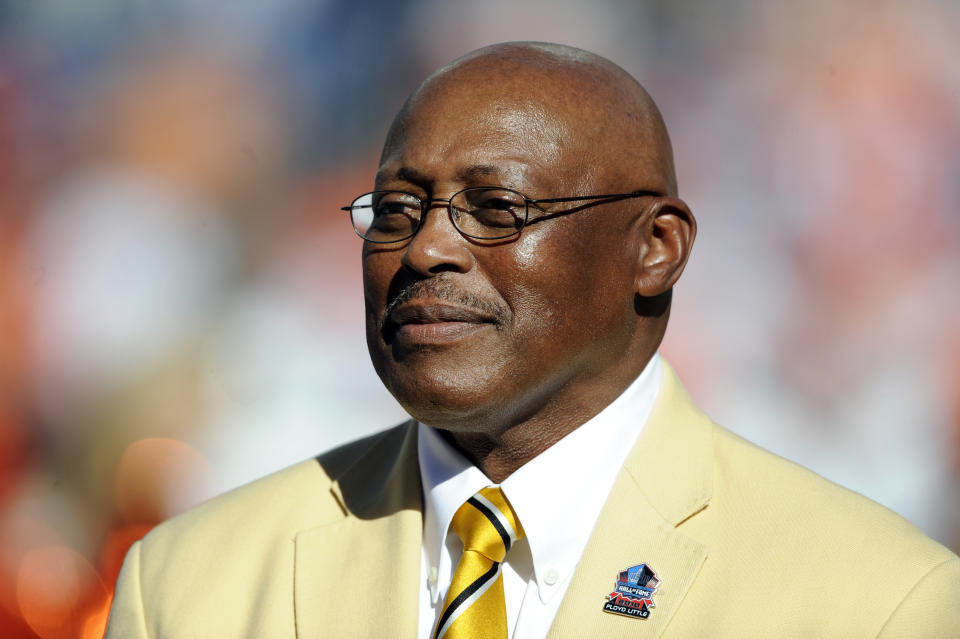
x: 370, y: 582
x: 666, y: 480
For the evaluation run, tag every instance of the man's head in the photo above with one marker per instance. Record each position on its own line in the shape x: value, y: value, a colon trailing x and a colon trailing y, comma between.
x: 546, y: 327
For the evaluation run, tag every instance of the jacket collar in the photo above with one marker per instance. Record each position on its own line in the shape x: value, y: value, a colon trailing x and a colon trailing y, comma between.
x: 672, y: 461
x: 372, y: 581
x: 666, y: 480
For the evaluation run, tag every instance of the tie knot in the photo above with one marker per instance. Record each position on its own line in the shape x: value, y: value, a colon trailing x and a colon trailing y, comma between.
x: 487, y: 524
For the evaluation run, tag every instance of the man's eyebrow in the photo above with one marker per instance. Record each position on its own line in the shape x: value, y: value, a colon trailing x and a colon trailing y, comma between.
x: 467, y: 174
x: 406, y: 174
x: 476, y: 171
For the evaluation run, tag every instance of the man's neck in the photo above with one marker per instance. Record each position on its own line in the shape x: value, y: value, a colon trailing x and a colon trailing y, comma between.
x: 499, y: 458
x: 500, y: 451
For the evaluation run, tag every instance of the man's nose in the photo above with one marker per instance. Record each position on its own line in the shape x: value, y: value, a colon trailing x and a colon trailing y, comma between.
x: 437, y: 246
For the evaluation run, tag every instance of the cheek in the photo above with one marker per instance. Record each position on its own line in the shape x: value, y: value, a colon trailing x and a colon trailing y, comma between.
x: 553, y: 267
x: 572, y: 283
x: 525, y: 256
x: 378, y: 268
x: 530, y: 278
x: 540, y: 284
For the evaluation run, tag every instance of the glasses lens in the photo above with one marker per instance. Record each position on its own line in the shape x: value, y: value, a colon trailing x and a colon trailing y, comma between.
x: 385, y: 216
x: 489, y: 213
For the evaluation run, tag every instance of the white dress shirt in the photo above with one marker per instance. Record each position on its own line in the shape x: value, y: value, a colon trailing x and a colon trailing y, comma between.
x: 557, y: 496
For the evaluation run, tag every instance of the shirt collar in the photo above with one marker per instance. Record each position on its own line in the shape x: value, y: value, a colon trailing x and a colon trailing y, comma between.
x: 578, y: 472
x: 449, y: 480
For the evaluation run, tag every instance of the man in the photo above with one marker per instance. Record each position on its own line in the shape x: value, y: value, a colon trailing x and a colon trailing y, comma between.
x: 521, y: 248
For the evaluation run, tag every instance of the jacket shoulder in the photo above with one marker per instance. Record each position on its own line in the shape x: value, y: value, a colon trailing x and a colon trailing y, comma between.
x: 818, y: 545
x: 283, y: 495
x: 237, y: 550
x: 753, y: 480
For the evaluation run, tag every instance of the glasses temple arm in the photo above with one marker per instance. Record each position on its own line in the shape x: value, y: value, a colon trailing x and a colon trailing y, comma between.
x: 592, y: 197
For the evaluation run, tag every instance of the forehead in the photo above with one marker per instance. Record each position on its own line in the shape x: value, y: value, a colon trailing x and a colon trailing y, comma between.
x: 477, y: 129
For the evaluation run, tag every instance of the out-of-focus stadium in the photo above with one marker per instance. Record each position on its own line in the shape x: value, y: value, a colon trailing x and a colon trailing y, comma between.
x: 180, y: 304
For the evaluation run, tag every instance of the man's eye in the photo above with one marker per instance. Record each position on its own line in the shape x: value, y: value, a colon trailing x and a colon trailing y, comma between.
x: 395, y: 204
x: 393, y: 214
x: 385, y: 209
x: 500, y: 204
x: 499, y: 213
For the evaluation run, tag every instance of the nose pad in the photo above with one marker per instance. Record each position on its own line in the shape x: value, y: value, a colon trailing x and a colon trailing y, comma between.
x: 454, y: 215
x: 437, y: 245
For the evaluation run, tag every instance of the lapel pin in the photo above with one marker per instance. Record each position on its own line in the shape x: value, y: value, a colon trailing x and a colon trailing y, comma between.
x: 633, y: 592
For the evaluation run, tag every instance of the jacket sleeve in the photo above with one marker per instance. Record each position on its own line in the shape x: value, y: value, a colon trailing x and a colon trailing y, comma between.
x: 930, y: 609
x: 126, y: 613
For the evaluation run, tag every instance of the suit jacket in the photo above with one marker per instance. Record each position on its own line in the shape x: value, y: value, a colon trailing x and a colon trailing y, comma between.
x: 745, y: 544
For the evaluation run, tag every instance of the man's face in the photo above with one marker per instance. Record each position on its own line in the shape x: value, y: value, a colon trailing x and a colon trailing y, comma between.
x: 475, y: 336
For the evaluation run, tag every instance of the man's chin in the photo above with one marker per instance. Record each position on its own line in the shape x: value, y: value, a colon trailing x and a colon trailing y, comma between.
x: 443, y: 411
x: 448, y: 406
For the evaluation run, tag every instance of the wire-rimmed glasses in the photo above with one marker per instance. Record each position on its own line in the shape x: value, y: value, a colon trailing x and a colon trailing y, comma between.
x: 478, y: 212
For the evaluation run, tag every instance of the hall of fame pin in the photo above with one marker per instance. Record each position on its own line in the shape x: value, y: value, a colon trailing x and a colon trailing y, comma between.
x: 633, y: 592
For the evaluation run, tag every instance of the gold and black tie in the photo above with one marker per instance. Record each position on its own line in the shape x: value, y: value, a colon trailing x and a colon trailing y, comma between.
x: 474, y: 607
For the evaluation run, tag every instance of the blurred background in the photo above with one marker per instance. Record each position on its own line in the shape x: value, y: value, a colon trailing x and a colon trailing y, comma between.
x: 180, y: 306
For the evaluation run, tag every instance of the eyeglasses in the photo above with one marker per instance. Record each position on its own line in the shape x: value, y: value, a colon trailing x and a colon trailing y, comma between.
x: 479, y: 212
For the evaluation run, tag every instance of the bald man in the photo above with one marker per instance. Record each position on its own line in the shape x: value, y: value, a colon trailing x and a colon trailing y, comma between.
x: 520, y: 248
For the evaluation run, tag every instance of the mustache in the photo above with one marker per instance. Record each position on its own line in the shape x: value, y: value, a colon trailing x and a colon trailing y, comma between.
x: 444, y: 291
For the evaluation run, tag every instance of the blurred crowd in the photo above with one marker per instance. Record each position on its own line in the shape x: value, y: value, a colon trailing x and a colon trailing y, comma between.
x: 180, y: 304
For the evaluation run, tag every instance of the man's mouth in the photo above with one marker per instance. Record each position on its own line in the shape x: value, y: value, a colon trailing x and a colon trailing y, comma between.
x: 421, y: 321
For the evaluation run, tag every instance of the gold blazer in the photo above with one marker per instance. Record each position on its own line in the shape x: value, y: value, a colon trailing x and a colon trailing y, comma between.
x: 745, y: 544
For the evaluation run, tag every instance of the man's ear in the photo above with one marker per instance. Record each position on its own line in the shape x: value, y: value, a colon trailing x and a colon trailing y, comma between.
x: 668, y: 229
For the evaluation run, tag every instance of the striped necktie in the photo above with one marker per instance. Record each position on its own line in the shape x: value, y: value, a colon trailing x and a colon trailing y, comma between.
x: 474, y: 607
